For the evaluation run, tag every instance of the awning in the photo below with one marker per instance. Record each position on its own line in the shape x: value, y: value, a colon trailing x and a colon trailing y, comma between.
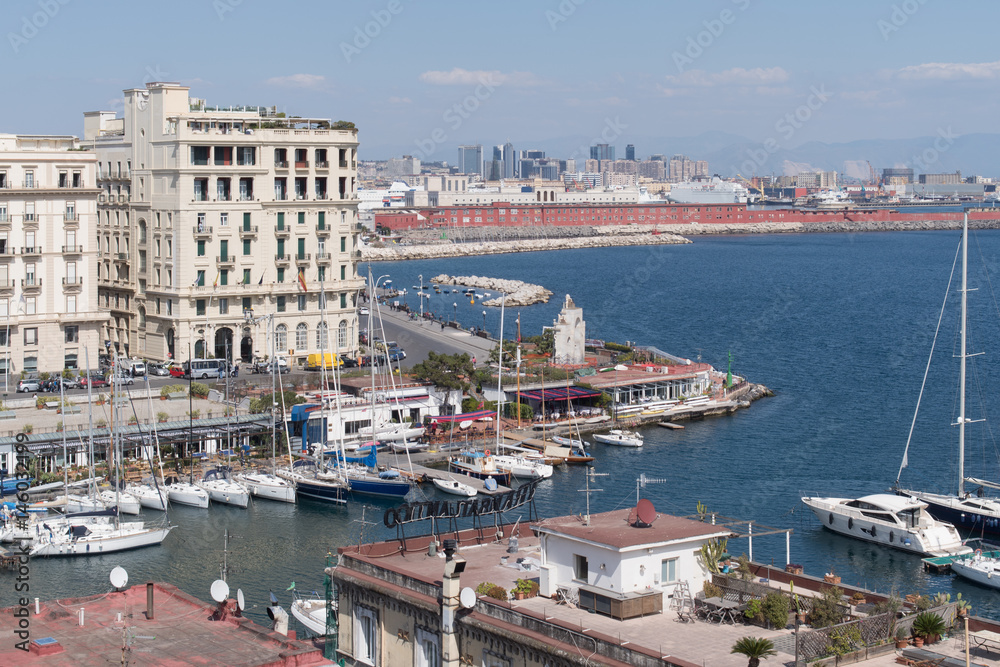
x: 559, y: 394
x: 468, y: 416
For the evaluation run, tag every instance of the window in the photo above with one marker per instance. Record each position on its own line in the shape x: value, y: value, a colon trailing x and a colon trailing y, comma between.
x: 72, y: 334
x: 200, y: 280
x: 223, y: 219
x: 201, y: 189
x: 29, y: 180
x: 246, y: 156
x: 302, y: 302
x: 170, y: 307
x: 427, y: 648
x: 200, y: 306
x: 302, y: 217
x: 223, y: 156
x: 281, y: 337
x: 247, y: 304
x: 201, y: 222
x: 342, y: 334
x: 4, y: 310
x: 365, y: 635
x: 321, y: 276
x: 302, y: 249
x: 71, y: 304
x: 223, y: 306
x: 31, y: 336
x: 301, y: 336
x: 63, y: 179
x: 668, y: 570
x: 201, y: 248
x: 343, y: 272
x: 321, y: 220
x: 142, y: 317
x: 224, y: 277
x: 281, y: 304
x: 281, y: 275
x: 343, y: 300
x: 322, y: 336
x: 246, y: 276
x: 199, y: 155
x: 29, y: 274
x: 30, y: 365
x: 224, y: 250
x: 30, y: 305
x: 246, y: 222
x: 69, y: 360
x: 222, y: 189
x: 581, y: 569
x: 281, y: 221
x: 246, y: 247
x: 343, y: 244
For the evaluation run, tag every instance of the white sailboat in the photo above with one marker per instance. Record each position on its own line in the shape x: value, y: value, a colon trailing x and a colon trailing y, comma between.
x: 978, y: 514
x: 619, y: 438
x: 221, y: 488
x: 454, y: 487
x: 151, y: 492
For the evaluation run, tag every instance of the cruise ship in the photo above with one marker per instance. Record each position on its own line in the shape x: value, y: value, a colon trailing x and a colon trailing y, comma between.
x: 716, y: 191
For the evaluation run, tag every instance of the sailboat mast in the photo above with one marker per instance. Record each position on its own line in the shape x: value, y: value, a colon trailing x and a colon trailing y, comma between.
x: 961, y: 413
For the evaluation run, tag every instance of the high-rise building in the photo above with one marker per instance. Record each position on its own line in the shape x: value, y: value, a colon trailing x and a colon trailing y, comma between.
x: 211, y: 219
x: 400, y: 167
x: 470, y: 159
x: 602, y: 152
x: 533, y: 154
x: 630, y: 152
x: 48, y: 276
x: 509, y: 160
x: 683, y: 168
x: 897, y: 175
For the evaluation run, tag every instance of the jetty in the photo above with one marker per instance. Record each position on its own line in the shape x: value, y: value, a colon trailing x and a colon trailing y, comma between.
x: 942, y: 564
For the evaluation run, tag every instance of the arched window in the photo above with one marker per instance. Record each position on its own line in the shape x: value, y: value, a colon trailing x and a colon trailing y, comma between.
x: 302, y: 336
x: 322, y: 337
x: 142, y: 317
x: 281, y: 338
x: 342, y: 335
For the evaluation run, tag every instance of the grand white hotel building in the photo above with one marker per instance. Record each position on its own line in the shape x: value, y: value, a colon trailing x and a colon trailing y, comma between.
x: 207, y: 216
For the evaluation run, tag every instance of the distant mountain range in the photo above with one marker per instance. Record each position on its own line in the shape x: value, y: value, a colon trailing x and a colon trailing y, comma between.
x: 728, y: 154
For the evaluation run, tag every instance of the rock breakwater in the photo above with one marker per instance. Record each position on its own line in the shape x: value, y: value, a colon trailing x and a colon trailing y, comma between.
x: 518, y: 293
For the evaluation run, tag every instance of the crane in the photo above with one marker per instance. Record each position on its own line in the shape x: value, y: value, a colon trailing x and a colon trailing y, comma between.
x: 751, y: 186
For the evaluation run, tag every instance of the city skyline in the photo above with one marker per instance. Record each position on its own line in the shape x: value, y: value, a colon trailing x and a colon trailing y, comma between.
x: 883, y: 70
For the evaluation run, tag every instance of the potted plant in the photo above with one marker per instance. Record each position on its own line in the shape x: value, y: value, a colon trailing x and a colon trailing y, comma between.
x: 961, y: 606
x: 831, y: 578
x: 491, y: 590
x: 524, y: 588
x: 858, y: 598
x: 901, y: 638
x: 928, y: 626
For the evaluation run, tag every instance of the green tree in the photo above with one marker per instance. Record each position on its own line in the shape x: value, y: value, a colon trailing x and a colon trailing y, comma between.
x: 827, y: 610
x: 449, y: 372
x: 754, y: 648
x: 265, y: 402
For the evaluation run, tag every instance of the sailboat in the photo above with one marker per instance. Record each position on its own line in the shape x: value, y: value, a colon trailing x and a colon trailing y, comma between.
x: 86, y: 534
x: 151, y: 492
x: 980, y: 515
x: 222, y: 488
x: 262, y: 484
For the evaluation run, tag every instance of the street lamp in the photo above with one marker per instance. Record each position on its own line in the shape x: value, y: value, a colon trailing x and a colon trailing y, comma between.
x: 421, y: 277
x: 455, y: 306
x: 484, y: 320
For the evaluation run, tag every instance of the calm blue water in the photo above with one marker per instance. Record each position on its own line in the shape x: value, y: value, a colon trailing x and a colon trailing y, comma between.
x: 839, y: 326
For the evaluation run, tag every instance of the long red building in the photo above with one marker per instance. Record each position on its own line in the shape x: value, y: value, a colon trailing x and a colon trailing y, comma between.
x: 564, y: 215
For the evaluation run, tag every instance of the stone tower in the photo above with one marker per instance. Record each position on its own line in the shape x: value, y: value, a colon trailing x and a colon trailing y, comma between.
x: 570, y: 334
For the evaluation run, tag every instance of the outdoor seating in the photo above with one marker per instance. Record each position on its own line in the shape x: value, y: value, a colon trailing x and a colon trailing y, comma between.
x: 719, y: 610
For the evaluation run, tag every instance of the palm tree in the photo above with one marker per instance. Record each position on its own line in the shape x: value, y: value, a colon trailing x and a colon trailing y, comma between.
x: 754, y: 648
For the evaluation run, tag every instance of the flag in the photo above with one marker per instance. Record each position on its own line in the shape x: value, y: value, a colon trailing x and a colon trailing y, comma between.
x: 216, y: 283
x: 20, y: 303
x: 302, y: 280
x: 261, y: 281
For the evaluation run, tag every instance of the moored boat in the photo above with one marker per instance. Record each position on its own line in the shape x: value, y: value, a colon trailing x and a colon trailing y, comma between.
x: 890, y: 520
x: 267, y: 486
x: 454, y: 487
x: 620, y: 438
x: 980, y: 568
x: 480, y: 465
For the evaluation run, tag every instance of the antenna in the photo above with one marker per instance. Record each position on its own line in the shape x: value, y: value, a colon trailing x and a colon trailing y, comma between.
x: 240, y: 601
x: 590, y: 475
x: 119, y: 577
x: 641, y: 481
x: 467, y: 598
x: 361, y: 533
x: 219, y: 590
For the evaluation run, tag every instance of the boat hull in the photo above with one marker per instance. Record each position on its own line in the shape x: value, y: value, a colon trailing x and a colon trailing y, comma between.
x: 187, y: 494
x: 103, y: 545
x: 964, y: 519
x: 226, y: 494
x: 388, y: 488
x: 983, y: 571
x: 311, y: 613
x: 149, y: 497
x: 269, y: 487
x: 454, y: 487
x: 499, y: 477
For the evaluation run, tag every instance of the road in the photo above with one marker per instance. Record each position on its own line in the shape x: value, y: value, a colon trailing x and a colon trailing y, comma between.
x: 418, y: 338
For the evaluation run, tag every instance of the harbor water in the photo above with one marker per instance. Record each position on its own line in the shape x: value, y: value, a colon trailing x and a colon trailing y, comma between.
x: 839, y: 326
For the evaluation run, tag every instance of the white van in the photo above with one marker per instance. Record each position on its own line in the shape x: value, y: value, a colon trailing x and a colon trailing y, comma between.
x: 138, y: 368
x: 203, y: 368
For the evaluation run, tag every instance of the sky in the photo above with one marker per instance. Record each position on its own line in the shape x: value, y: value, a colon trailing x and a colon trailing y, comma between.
x: 421, y: 78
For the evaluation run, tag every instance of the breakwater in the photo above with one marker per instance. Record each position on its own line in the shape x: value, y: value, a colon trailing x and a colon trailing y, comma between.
x: 518, y: 293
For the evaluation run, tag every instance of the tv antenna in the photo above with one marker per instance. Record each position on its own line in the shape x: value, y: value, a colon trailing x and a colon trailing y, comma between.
x: 224, y: 565
x: 641, y: 481
x: 364, y: 524
x: 590, y: 475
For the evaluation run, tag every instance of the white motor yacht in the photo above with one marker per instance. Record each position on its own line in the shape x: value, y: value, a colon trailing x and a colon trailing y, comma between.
x: 890, y: 520
x: 619, y: 438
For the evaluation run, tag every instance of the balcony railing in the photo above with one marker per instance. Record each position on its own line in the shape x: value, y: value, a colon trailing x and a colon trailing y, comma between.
x: 31, y: 250
x: 121, y: 257
x: 75, y: 249
x: 71, y: 217
x: 280, y: 196
x: 284, y: 259
x: 281, y: 164
x: 302, y: 164
x: 323, y: 257
x: 323, y: 230
x: 302, y: 258
x: 4, y: 219
x: 31, y: 283
x: 322, y: 164
x: 201, y: 230
x: 322, y: 195
x: 248, y: 230
x: 30, y: 217
x: 226, y: 259
x: 343, y: 164
x: 73, y: 280
x: 282, y: 231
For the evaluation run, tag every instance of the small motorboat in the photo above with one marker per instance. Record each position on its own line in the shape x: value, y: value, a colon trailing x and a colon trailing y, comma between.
x: 311, y: 612
x: 454, y: 487
x: 619, y: 438
x: 984, y: 569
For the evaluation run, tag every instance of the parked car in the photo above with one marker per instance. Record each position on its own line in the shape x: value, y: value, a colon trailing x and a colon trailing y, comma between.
x: 53, y: 384
x: 120, y: 380
x: 397, y: 354
x: 160, y: 370
x: 94, y: 382
x: 349, y: 363
x: 135, y: 368
x: 29, y: 384
x: 176, y: 370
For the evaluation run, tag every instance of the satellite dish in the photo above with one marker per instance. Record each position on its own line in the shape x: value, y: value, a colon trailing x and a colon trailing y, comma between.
x: 645, y: 513
x: 239, y: 599
x: 119, y: 577
x: 220, y: 590
x: 467, y: 598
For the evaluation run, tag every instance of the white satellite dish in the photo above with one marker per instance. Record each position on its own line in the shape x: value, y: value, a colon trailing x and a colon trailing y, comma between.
x: 467, y: 598
x: 239, y: 598
x: 220, y: 590
x: 119, y: 577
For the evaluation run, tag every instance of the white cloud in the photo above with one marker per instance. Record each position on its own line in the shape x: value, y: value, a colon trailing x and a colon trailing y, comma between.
x: 758, y: 76
x: 464, y: 77
x: 313, y: 81
x: 950, y: 71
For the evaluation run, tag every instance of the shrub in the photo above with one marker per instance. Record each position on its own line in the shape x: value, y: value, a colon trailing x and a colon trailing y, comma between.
x: 27, y: 428
x: 753, y: 611
x: 162, y: 416
x: 827, y: 610
x: 527, y: 587
x: 927, y: 624
x: 491, y: 590
x: 711, y: 590
x: 194, y: 414
x: 171, y: 388
x: 101, y: 423
x: 775, y: 609
x: 199, y: 389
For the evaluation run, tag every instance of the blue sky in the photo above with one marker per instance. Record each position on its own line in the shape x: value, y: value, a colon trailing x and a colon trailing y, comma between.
x: 555, y: 74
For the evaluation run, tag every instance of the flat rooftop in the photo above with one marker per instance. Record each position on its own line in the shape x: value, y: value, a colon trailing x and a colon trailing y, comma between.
x: 180, y: 633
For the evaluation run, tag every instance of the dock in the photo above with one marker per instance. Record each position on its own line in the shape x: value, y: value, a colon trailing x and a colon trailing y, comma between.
x: 942, y: 564
x: 420, y: 472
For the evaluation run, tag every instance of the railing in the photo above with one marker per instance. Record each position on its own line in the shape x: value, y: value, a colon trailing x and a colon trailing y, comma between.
x: 201, y: 230
x: 282, y: 258
x: 322, y: 195
x: 75, y: 249
x: 281, y: 196
x: 303, y: 257
x: 31, y: 250
x: 121, y: 256
x: 322, y: 164
x: 282, y: 231
x: 4, y: 218
x: 226, y: 259
x: 281, y: 164
x: 247, y: 230
x: 343, y: 164
x: 31, y: 282
x: 323, y: 257
x: 323, y: 229
x: 71, y: 217
x: 30, y: 217
x: 224, y: 196
x: 123, y: 198
x: 302, y: 164
x: 74, y: 280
